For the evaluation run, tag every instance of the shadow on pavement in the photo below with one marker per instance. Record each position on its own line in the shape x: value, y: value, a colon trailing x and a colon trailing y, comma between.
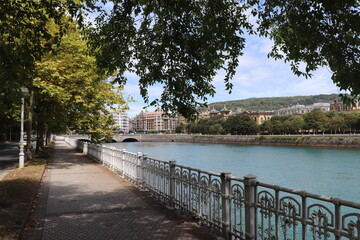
x: 83, y: 200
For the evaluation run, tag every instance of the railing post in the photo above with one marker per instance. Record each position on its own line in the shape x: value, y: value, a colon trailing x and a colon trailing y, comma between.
x: 112, y: 154
x: 123, y: 158
x: 144, y: 171
x: 172, y: 183
x: 250, y: 204
x: 226, y: 205
x: 85, y: 149
x: 337, y: 231
x: 304, y: 215
x: 101, y: 157
x: 139, y: 170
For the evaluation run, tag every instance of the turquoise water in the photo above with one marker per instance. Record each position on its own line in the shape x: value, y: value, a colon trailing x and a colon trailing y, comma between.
x: 330, y: 172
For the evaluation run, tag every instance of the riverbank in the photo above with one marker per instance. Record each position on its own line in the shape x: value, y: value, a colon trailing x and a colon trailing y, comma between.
x: 335, y: 141
x: 316, y: 141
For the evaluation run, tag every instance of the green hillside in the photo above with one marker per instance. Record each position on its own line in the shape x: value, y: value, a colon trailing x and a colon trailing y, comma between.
x: 272, y: 103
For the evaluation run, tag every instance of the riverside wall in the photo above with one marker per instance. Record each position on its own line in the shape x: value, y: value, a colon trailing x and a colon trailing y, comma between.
x: 337, y: 141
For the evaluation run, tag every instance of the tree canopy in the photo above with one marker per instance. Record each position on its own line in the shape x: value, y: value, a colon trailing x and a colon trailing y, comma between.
x: 181, y: 44
x: 317, y: 33
x: 25, y: 37
x: 71, y: 92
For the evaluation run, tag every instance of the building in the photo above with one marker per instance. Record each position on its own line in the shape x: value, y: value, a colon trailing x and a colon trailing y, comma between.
x: 339, y: 106
x: 122, y: 121
x: 154, y: 121
x: 214, y: 114
x: 222, y: 114
x: 259, y: 117
x: 203, y: 115
x: 302, y: 109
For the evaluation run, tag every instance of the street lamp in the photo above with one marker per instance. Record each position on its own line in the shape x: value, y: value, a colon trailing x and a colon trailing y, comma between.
x: 24, y: 92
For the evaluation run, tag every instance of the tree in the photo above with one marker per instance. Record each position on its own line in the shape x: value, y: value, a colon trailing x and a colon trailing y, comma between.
x: 317, y: 33
x: 297, y: 123
x: 180, y: 128
x: 351, y: 120
x: 216, y: 129
x: 336, y: 123
x: 277, y: 127
x: 287, y: 127
x: 315, y: 120
x: 69, y: 84
x: 182, y: 43
x: 25, y: 37
x: 241, y: 124
x: 179, y: 44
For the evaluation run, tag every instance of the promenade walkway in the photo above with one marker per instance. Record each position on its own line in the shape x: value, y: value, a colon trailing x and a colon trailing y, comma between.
x: 80, y: 199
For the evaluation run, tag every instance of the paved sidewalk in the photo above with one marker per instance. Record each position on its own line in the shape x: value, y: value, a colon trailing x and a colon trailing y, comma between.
x: 81, y: 199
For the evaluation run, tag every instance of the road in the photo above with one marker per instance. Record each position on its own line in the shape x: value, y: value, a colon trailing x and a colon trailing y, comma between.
x: 9, y: 157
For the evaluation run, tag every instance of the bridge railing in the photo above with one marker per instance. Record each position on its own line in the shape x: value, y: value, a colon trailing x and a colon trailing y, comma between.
x: 236, y: 208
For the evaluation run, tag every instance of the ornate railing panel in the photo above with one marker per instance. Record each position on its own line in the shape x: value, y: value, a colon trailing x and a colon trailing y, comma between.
x: 156, y: 177
x: 238, y: 208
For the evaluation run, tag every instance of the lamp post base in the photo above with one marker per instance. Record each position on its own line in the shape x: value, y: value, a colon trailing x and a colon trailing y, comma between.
x: 21, y: 158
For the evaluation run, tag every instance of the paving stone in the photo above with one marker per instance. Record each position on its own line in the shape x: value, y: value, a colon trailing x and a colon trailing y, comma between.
x: 82, y: 200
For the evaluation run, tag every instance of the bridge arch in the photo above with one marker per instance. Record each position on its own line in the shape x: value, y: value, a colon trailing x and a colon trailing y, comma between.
x: 130, y: 140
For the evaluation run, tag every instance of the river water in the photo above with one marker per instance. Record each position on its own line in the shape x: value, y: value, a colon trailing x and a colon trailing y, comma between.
x: 325, y: 171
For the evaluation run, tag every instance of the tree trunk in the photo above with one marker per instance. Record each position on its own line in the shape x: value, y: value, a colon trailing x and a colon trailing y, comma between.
x: 40, y: 136
x: 30, y: 122
x: 48, y: 137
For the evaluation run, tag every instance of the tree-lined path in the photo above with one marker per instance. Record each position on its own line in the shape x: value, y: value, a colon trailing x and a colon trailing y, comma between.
x: 82, y: 200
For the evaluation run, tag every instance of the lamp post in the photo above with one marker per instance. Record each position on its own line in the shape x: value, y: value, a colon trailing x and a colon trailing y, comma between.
x: 24, y: 91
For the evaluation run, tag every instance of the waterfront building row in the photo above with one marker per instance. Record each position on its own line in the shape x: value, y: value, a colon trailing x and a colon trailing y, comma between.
x: 259, y: 116
x: 302, y: 109
x: 325, y: 107
x: 158, y: 121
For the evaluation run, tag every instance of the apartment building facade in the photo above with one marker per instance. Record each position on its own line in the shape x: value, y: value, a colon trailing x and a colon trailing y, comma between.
x: 302, y: 109
x: 122, y: 121
x: 156, y: 121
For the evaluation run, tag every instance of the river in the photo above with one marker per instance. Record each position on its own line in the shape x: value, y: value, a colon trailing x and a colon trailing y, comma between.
x: 325, y: 171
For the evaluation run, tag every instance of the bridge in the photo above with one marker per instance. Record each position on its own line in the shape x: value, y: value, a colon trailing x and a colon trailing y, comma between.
x: 146, y: 138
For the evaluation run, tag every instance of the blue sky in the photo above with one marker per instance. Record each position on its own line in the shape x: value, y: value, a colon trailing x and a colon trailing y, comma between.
x: 256, y: 76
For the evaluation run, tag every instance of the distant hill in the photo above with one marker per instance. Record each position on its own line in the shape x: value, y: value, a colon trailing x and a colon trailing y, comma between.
x: 272, y: 103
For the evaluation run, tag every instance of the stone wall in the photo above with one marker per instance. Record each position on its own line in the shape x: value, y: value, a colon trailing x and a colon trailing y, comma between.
x: 349, y: 141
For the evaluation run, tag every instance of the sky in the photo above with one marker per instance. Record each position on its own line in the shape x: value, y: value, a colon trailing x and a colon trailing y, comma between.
x: 256, y: 76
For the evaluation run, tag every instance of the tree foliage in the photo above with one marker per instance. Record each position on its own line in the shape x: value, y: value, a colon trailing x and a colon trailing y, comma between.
x: 241, y: 124
x: 179, y: 44
x: 25, y: 37
x: 69, y: 85
x: 315, y: 120
x: 317, y: 33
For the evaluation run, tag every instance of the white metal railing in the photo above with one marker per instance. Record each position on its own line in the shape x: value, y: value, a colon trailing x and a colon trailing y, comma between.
x: 237, y: 208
